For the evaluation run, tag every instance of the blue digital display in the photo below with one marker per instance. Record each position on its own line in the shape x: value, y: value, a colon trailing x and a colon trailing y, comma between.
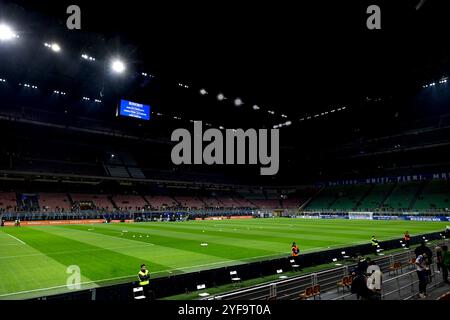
x: 134, y: 110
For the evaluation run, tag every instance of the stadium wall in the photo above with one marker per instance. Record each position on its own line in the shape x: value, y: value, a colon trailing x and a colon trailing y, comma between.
x: 60, y: 222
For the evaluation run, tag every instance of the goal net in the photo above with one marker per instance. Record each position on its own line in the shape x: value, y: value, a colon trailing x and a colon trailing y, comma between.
x: 360, y: 215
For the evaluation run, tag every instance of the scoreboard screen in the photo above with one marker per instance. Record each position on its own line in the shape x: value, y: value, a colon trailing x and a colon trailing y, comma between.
x: 134, y: 110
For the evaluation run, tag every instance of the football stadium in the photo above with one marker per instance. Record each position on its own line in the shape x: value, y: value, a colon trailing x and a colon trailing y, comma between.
x: 186, y: 166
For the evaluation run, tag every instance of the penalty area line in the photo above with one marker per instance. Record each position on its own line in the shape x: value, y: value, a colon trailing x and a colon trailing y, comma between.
x: 16, y: 239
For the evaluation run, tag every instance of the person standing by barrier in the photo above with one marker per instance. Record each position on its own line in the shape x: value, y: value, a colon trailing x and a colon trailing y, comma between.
x: 144, y: 280
x: 445, y: 263
x: 421, y: 266
x: 374, y: 243
x: 439, y: 260
x: 295, y: 250
x: 423, y: 249
x: 295, y: 253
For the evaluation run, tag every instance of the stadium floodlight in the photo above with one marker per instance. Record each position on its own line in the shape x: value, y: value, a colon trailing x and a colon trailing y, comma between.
x: 287, y: 123
x: 55, y: 47
x: 203, y: 92
x: 238, y: 102
x: 86, y: 57
x: 284, y: 116
x: 220, y: 97
x: 117, y: 66
x: 6, y: 33
x: 221, y: 127
x: 255, y: 107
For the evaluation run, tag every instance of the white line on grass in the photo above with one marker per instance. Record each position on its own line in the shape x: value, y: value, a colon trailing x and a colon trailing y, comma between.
x: 16, y: 239
x: 75, y: 251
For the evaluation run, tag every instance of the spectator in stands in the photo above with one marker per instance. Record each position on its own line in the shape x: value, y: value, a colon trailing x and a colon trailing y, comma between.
x: 407, y: 239
x: 362, y: 266
x: 438, y: 250
x: 421, y: 266
x: 445, y: 263
x: 420, y: 250
x: 359, y: 287
x: 372, y: 267
x: 374, y: 282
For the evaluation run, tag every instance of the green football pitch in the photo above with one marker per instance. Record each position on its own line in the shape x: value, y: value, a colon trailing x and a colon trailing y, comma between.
x: 34, y: 261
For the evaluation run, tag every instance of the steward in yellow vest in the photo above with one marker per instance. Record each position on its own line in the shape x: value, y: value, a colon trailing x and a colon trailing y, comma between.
x: 144, y: 276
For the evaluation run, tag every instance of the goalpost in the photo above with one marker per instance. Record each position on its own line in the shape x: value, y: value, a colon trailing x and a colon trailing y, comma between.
x: 356, y: 215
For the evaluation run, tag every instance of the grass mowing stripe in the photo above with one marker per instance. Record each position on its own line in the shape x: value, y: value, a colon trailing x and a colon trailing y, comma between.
x: 92, y: 266
x: 72, y: 252
x: 232, y: 252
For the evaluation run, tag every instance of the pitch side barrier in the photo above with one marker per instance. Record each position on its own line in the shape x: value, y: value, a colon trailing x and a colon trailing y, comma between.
x: 188, y: 282
x: 394, y: 215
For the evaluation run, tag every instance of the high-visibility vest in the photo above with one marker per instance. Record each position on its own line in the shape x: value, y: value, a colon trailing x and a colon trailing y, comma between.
x: 143, y: 278
x: 374, y: 242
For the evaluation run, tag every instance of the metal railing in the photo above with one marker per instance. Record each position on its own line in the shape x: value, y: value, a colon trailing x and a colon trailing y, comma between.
x: 403, y: 286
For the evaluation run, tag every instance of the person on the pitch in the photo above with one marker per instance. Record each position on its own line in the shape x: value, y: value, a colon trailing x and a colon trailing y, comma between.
x: 374, y: 243
x: 144, y: 280
x: 407, y: 239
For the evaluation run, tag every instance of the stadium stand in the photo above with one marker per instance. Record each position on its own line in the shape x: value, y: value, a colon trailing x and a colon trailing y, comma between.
x: 435, y: 195
x: 326, y: 198
x: 349, y: 198
x: 376, y: 196
x: 129, y: 202
x: 266, y: 203
x: 189, y: 202
x: 54, y: 202
x: 212, y: 202
x: 402, y: 196
x: 161, y: 201
x: 8, y: 201
x: 100, y: 201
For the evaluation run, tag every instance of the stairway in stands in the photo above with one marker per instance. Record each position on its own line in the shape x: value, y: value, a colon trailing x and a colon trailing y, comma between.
x: 416, y: 196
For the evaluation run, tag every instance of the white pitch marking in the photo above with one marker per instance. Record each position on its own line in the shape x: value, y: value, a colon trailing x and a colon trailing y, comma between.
x: 16, y: 239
